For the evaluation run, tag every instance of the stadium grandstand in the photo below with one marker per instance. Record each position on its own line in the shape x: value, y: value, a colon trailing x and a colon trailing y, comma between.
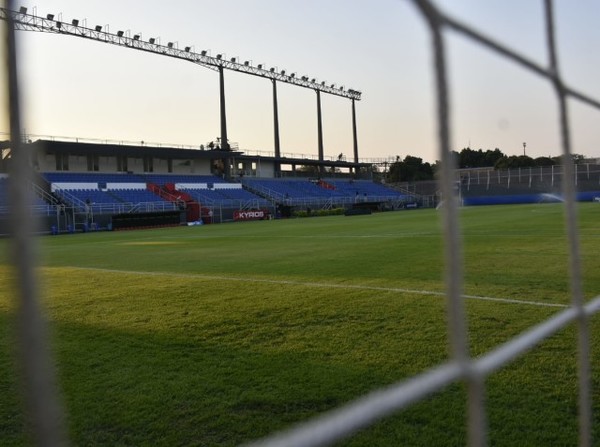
x: 83, y: 186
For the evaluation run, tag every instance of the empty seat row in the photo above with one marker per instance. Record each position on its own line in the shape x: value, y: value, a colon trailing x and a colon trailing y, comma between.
x: 343, y: 190
x: 159, y: 179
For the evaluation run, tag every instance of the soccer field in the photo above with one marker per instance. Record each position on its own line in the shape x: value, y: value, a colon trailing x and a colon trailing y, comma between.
x: 221, y: 334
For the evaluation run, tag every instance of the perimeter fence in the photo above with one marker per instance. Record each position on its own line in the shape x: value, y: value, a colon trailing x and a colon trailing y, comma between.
x: 42, y: 397
x: 586, y: 177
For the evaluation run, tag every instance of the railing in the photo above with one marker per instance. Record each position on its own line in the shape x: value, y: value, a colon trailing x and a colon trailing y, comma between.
x: 71, y: 199
x: 263, y: 191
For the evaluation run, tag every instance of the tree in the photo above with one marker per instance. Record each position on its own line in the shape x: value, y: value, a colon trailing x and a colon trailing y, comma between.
x: 544, y: 161
x: 410, y: 169
x: 491, y: 157
x: 577, y: 159
x: 469, y: 158
x: 514, y: 161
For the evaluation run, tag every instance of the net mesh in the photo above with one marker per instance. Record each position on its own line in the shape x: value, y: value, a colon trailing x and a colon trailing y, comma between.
x: 43, y: 400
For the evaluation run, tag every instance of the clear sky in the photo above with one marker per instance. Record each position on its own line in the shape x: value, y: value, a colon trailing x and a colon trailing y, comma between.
x: 77, y: 88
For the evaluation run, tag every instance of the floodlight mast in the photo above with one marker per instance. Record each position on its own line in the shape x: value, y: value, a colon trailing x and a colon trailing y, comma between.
x: 31, y: 22
x: 276, y: 127
x: 319, y: 128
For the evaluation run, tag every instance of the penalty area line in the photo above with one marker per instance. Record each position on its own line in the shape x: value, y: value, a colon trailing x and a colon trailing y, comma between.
x: 318, y: 284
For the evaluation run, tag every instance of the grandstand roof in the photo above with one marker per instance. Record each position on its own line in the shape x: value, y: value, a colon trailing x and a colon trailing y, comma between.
x: 129, y: 150
x: 303, y: 161
x: 102, y: 149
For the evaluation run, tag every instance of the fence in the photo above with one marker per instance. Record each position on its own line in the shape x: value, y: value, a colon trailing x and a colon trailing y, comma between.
x: 585, y: 176
x: 41, y: 396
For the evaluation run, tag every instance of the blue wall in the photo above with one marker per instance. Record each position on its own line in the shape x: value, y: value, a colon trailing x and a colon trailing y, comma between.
x: 526, y: 198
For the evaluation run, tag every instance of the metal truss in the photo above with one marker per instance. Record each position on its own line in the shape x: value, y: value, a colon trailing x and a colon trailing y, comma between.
x: 31, y: 22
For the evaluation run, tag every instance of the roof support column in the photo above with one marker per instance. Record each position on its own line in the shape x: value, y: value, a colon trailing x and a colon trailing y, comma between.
x: 354, y: 137
x: 224, y: 140
x: 276, y: 129
x: 319, y: 126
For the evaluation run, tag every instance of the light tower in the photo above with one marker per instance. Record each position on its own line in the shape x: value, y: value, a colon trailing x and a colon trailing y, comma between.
x: 32, y: 22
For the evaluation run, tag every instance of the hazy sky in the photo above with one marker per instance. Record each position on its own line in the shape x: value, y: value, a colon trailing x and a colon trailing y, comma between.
x: 79, y: 88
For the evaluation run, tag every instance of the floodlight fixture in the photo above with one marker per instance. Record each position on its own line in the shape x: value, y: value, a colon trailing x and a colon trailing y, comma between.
x: 50, y: 16
x: 187, y: 49
x: 219, y: 56
x: 23, y: 10
x: 98, y: 28
x: 120, y: 33
x: 313, y: 80
x: 233, y: 59
x: 283, y: 72
x: 170, y: 44
x: 136, y: 37
x: 272, y: 70
x: 292, y: 75
x: 323, y: 83
x: 75, y: 22
x: 58, y: 24
x: 152, y: 40
x: 203, y: 53
x: 260, y: 66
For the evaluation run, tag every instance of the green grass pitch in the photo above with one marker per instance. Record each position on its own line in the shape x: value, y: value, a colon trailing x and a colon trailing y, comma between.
x: 220, y: 334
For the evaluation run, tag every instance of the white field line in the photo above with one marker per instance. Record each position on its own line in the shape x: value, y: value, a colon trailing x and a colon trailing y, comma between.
x: 318, y: 284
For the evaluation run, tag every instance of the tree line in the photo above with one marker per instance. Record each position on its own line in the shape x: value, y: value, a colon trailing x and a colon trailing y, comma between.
x: 411, y: 169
